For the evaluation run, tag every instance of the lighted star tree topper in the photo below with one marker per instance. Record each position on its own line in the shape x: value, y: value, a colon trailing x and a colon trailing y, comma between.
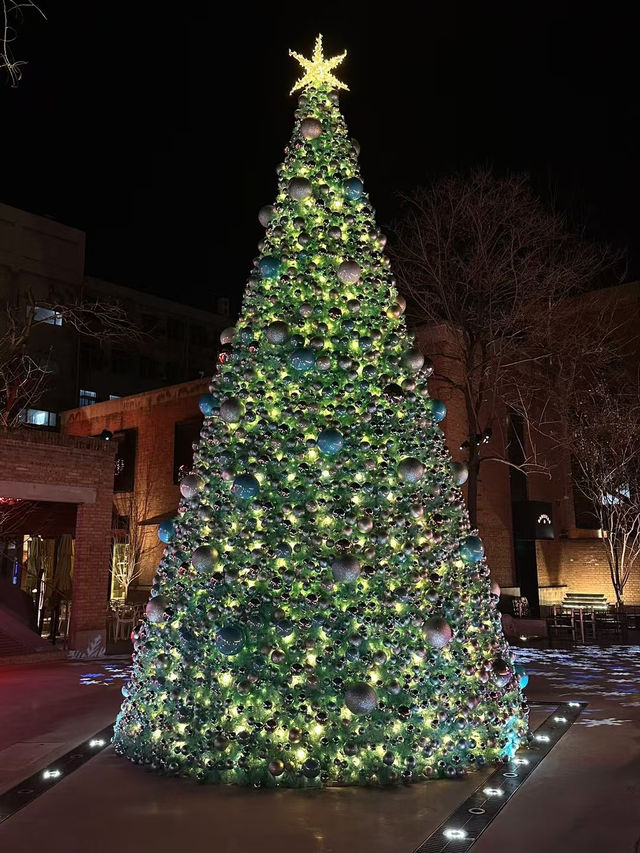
x: 322, y: 614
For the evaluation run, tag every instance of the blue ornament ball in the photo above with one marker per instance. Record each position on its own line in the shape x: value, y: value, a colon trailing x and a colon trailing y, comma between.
x: 353, y: 188
x: 523, y: 678
x: 472, y: 549
x: 438, y: 410
x: 208, y: 404
x: 245, y: 487
x: 230, y: 640
x: 269, y: 266
x: 303, y: 360
x: 330, y: 442
x: 166, y: 531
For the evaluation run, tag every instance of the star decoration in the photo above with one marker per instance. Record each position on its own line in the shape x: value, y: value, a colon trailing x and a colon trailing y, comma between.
x: 317, y: 70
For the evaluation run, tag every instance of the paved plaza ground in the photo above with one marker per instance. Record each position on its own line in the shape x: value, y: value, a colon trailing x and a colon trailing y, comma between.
x: 584, y: 796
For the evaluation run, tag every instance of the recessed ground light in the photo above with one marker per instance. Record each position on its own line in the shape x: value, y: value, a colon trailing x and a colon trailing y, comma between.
x: 52, y: 774
x: 454, y: 833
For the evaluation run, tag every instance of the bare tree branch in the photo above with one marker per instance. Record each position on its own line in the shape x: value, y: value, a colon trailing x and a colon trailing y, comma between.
x: 13, y: 9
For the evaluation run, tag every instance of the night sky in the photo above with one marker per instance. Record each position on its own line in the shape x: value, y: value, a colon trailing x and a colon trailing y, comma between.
x: 157, y: 127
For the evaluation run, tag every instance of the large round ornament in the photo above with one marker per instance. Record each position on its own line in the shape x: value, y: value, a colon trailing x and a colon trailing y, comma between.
x: 203, y: 558
x: 330, y: 442
x: 227, y: 335
x: 311, y: 768
x: 360, y: 698
x: 523, y: 678
x: 157, y: 608
x: 230, y: 640
x: 231, y: 410
x: 353, y: 188
x: 438, y: 410
x: 303, y: 359
x: 282, y: 550
x: 413, y: 359
x: 166, y: 531
x: 349, y: 272
x: 190, y: 486
x: 437, y: 632
x: 299, y: 189
x: 269, y: 267
x: 346, y: 569
x: 472, y: 549
x: 501, y: 672
x: 310, y: 128
x: 460, y: 471
x: 266, y: 214
x: 277, y: 332
x: 410, y: 470
x: 208, y: 404
x: 245, y: 487
x: 276, y: 768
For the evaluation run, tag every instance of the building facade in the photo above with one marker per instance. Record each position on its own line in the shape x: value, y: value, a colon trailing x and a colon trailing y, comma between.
x: 43, y: 261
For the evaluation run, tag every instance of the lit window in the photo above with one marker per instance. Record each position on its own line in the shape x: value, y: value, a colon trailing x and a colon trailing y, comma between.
x: 38, y: 417
x: 114, y: 396
x: 88, y: 398
x: 47, y: 315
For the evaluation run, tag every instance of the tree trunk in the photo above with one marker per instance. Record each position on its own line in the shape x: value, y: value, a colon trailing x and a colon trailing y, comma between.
x: 472, y: 485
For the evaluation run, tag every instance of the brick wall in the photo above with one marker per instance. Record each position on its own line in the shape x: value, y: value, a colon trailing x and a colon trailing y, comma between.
x: 55, y: 468
x: 581, y: 564
x: 154, y: 415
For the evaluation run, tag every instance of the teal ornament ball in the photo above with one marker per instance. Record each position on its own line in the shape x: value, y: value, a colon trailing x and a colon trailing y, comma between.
x: 360, y: 698
x: 282, y: 550
x: 269, y: 267
x: 472, y: 549
x: 230, y: 640
x: 166, y: 531
x: 523, y: 678
x: 245, y: 487
x: 303, y: 360
x: 330, y: 442
x: 208, y: 404
x: 438, y: 410
x: 353, y: 189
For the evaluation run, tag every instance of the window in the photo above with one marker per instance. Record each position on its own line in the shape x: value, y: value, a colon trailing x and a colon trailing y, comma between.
x: 47, y: 315
x: 124, y: 474
x: 88, y: 398
x: 186, y: 434
x: 114, y: 396
x: 38, y: 417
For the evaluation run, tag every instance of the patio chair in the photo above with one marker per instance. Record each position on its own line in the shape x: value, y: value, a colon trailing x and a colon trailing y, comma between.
x: 562, y: 622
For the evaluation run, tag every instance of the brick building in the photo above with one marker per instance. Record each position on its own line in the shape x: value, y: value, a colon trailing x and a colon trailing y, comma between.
x: 41, y: 259
x: 153, y: 434
x: 68, y: 482
x: 574, y: 560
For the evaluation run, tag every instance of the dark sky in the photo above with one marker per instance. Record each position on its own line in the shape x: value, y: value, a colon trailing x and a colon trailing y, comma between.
x: 157, y: 127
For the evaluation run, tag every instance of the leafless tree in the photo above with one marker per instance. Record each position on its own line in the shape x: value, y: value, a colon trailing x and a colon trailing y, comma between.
x: 605, y: 446
x: 12, y: 10
x: 23, y: 377
x: 482, y: 261
x: 133, y: 547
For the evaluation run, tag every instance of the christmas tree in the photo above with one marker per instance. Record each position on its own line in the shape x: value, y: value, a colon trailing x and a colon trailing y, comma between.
x: 323, y: 613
